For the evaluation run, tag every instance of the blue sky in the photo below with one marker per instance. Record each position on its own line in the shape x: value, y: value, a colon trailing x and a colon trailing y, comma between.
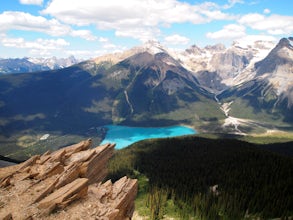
x: 90, y: 28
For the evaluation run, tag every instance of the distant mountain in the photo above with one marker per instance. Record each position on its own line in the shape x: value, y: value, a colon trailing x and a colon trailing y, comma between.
x: 55, y: 63
x: 218, y: 68
x: 269, y: 95
x: 240, y: 89
x: 147, y: 88
x: 23, y: 65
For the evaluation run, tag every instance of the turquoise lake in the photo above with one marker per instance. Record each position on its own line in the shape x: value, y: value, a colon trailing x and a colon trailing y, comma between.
x: 124, y: 136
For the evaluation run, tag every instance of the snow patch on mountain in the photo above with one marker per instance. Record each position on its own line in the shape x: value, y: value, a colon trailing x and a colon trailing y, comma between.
x: 153, y: 47
x: 258, y: 51
x: 277, y: 68
x: 30, y: 64
x: 54, y: 62
x: 217, y: 67
x: 232, y: 65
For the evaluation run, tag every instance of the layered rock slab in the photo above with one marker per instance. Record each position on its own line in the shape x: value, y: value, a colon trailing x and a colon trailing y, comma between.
x: 66, y: 184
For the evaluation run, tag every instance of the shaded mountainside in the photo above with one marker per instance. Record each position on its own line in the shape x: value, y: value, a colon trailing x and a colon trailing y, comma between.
x: 46, y: 99
x: 155, y: 87
x: 135, y: 90
x: 19, y: 66
x: 148, y: 86
x: 151, y: 86
x: 144, y: 89
x: 208, y: 178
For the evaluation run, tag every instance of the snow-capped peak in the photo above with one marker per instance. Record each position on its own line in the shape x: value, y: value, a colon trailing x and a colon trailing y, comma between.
x: 153, y: 47
x: 248, y: 43
x: 53, y: 62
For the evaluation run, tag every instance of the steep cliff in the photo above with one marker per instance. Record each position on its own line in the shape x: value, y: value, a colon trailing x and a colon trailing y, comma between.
x: 268, y: 97
x: 66, y: 184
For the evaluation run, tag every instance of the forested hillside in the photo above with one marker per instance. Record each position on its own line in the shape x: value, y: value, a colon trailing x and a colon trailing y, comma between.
x: 208, y: 179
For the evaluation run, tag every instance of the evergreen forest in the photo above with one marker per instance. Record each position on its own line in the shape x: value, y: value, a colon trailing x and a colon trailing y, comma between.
x: 193, y: 177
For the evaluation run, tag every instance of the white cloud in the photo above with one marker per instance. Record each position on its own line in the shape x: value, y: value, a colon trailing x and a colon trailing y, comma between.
x: 273, y: 24
x: 129, y: 12
x: 212, y: 11
x: 24, y: 21
x: 39, y: 46
x: 231, y: 3
x: 31, y: 2
x: 103, y: 39
x: 139, y: 19
x: 108, y: 45
x: 231, y: 31
x: 143, y: 34
x: 249, y: 40
x: 85, y: 34
x: 87, y: 54
x: 105, y: 47
x: 40, y: 43
x: 266, y: 11
x: 208, y: 5
x: 217, y: 15
x: 84, y: 54
x: 176, y: 40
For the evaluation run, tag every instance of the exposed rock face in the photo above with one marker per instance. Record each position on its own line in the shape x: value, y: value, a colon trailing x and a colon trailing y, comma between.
x: 66, y: 184
x: 217, y: 68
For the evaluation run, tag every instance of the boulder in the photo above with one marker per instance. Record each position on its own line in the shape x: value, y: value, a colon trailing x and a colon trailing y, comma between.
x: 66, y: 184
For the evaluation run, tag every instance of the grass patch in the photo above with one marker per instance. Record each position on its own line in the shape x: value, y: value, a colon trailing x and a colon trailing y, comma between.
x: 241, y: 108
x: 269, y: 137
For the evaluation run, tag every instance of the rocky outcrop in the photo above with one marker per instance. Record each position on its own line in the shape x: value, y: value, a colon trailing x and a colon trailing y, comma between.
x: 66, y: 184
x: 281, y: 55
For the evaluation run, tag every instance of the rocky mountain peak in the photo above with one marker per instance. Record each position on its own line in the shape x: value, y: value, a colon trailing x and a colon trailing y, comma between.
x: 285, y: 42
x: 195, y: 50
x: 153, y: 47
x: 283, y: 45
x: 281, y: 55
x: 285, y: 49
x: 216, y: 48
x: 276, y: 68
x: 250, y: 44
x: 263, y: 45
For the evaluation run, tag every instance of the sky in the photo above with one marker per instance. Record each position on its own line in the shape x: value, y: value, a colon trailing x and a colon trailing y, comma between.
x: 91, y: 28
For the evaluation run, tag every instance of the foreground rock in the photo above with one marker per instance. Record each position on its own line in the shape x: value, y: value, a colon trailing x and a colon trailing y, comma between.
x: 66, y: 184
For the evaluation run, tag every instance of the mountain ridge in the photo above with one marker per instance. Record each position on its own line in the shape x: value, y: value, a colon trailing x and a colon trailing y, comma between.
x: 30, y: 64
x: 151, y: 86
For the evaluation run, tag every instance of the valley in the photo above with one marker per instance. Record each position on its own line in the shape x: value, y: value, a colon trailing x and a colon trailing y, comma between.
x: 238, y: 100
x: 146, y: 109
x: 124, y: 136
x: 243, y: 89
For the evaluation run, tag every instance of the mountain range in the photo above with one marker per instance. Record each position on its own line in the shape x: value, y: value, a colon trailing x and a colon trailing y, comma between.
x: 29, y: 64
x: 241, y: 89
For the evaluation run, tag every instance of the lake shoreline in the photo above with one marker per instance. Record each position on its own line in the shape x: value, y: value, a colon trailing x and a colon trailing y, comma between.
x: 124, y: 136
